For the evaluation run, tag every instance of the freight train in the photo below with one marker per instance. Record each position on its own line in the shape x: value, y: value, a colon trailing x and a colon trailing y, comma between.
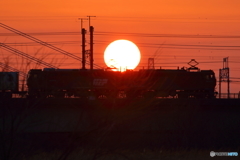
x: 98, y: 83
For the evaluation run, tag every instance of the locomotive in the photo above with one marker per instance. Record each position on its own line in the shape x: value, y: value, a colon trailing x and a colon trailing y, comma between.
x: 98, y: 83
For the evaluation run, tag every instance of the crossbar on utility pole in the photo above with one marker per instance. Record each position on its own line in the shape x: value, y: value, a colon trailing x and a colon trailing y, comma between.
x: 89, y: 18
x: 82, y: 19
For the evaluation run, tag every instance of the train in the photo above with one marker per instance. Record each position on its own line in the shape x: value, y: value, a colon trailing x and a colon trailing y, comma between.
x: 107, y: 84
x: 99, y: 83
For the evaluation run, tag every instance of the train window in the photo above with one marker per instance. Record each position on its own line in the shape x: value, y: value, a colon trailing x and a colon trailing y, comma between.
x: 207, y: 76
x: 35, y: 75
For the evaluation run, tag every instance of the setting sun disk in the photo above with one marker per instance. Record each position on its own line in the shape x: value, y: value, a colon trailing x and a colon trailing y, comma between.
x: 121, y: 55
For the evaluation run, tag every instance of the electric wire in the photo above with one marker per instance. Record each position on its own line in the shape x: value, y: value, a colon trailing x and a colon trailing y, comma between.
x: 44, y: 43
x: 24, y: 55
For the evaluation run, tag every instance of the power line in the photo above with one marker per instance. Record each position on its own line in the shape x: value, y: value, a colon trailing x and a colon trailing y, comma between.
x: 15, y: 51
x: 44, y: 43
x: 133, y: 34
x: 151, y: 45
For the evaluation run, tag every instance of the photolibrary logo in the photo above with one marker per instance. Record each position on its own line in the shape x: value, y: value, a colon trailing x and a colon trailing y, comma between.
x: 212, y: 154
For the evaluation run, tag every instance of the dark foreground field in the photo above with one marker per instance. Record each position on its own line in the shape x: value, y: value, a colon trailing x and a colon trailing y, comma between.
x: 118, y: 129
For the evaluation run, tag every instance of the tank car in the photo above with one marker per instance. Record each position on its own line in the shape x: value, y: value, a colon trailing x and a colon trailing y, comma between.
x: 51, y: 82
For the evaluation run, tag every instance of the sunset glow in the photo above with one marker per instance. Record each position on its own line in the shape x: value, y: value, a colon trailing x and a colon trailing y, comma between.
x: 172, y: 32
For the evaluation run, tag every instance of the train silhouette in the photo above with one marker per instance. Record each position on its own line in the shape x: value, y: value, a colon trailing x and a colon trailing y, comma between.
x: 179, y: 83
x: 98, y: 83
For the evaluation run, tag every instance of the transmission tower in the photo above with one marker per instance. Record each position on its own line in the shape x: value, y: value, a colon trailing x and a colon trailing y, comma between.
x: 224, y: 77
x: 151, y: 63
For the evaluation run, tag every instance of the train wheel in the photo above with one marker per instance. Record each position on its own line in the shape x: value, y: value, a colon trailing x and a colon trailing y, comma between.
x: 102, y: 97
x: 32, y: 94
x: 112, y: 95
x: 149, y: 94
x: 182, y: 95
x: 5, y: 95
x: 133, y: 94
x: 42, y: 94
x: 59, y: 94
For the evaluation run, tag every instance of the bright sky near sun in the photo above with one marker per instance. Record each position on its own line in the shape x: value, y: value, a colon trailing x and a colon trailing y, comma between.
x: 171, y: 31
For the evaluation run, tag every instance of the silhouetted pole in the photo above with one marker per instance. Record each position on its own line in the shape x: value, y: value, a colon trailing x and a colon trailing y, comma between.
x: 91, y: 47
x: 228, y: 82
x: 89, y: 19
x: 83, y: 48
x: 82, y: 19
x: 220, y: 80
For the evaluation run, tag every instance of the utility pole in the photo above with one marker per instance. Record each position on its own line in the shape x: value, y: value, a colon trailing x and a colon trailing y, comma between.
x: 83, y: 32
x: 82, y: 19
x: 91, y: 47
x: 89, y: 18
x: 83, y: 48
x: 91, y: 29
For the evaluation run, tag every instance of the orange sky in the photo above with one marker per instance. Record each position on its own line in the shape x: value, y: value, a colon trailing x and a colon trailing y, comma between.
x: 121, y: 8
x: 171, y: 31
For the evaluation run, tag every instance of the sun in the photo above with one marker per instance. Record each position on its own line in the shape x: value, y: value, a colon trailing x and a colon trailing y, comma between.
x: 121, y: 55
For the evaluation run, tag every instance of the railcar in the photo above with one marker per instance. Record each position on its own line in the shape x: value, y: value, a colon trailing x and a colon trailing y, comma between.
x: 51, y: 82
x: 8, y: 84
